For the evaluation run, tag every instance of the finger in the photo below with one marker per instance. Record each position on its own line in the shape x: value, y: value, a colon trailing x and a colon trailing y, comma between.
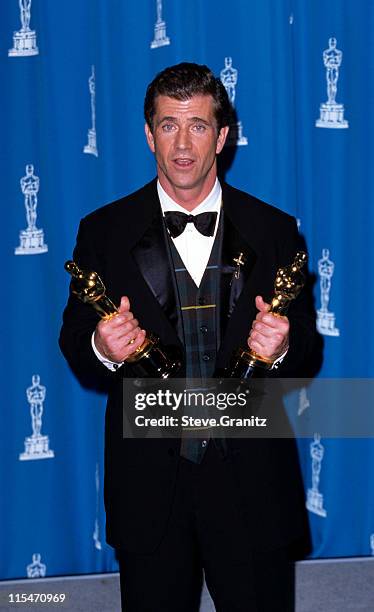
x: 263, y: 349
x: 255, y: 336
x: 119, y: 338
x: 118, y: 348
x: 113, y: 340
x: 131, y: 335
x: 127, y: 328
x: 262, y: 330
x: 125, y: 304
x: 268, y: 346
x: 276, y: 322
x: 133, y: 346
x: 269, y: 325
x: 261, y: 305
x: 116, y: 323
x: 256, y: 346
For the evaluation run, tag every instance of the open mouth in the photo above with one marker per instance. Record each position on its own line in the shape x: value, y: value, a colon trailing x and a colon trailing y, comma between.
x: 183, y: 162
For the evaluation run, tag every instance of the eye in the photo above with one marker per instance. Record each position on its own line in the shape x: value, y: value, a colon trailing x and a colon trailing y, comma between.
x: 168, y: 127
x: 199, y: 127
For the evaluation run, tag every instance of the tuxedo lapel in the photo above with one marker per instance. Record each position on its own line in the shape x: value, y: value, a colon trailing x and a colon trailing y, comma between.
x: 234, y: 274
x: 238, y: 259
x: 152, y: 256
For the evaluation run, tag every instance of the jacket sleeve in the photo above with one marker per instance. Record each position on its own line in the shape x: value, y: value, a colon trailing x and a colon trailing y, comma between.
x: 304, y: 356
x: 80, y: 320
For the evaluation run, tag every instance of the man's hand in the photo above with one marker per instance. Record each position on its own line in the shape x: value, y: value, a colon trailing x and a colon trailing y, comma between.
x: 269, y: 333
x: 112, y: 338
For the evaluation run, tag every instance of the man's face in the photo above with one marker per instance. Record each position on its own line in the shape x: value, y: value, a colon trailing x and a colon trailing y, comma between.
x: 185, y: 143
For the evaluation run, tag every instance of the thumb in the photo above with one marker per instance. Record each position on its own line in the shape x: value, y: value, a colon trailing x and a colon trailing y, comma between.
x: 261, y: 305
x: 125, y: 304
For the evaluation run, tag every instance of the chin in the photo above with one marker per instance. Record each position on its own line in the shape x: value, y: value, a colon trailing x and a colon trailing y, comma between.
x: 180, y: 183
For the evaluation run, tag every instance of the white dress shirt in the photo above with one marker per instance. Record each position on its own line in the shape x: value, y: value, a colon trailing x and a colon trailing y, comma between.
x: 194, y: 248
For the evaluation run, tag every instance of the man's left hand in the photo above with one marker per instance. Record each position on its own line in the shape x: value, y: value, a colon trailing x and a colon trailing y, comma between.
x: 269, y: 334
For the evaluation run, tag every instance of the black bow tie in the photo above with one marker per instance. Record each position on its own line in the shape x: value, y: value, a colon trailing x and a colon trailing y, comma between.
x: 204, y: 222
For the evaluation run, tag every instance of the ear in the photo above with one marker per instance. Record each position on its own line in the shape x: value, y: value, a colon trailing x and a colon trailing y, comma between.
x: 221, y: 139
x: 149, y: 137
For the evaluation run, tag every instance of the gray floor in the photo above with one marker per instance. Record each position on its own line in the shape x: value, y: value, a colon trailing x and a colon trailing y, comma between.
x: 322, y: 586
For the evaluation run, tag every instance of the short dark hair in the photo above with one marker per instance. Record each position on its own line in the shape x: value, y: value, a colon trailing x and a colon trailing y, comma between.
x: 183, y: 81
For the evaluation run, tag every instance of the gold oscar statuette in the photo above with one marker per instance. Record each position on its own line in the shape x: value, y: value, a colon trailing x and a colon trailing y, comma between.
x: 150, y: 359
x: 289, y: 281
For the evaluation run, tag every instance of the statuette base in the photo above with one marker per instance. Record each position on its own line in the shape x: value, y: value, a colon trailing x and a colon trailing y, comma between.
x: 36, y: 447
x: 314, y: 503
x: 332, y: 116
x: 31, y: 242
x: 24, y: 44
x: 91, y: 146
x: 160, y: 39
x: 326, y: 323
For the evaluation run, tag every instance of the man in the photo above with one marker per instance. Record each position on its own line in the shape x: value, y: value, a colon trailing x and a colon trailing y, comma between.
x: 174, y: 508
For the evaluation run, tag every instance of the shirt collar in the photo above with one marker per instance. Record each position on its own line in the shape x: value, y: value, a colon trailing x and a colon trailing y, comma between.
x: 212, y: 202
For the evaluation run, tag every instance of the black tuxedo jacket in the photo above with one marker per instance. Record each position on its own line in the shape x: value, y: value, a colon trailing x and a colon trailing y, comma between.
x: 125, y: 243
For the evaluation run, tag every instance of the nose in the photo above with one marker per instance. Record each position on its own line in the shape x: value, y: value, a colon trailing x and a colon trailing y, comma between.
x: 183, y: 138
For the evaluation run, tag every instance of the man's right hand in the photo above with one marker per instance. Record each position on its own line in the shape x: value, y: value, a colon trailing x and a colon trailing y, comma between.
x: 112, y: 338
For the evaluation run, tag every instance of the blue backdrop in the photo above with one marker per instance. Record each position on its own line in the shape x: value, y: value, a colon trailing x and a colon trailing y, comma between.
x: 84, y: 139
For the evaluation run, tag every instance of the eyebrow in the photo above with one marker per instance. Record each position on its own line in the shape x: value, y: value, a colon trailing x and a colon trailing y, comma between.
x: 191, y: 120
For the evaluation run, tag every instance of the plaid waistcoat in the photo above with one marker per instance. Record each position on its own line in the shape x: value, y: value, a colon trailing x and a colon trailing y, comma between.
x: 200, y: 318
